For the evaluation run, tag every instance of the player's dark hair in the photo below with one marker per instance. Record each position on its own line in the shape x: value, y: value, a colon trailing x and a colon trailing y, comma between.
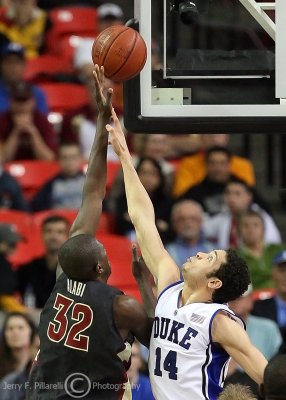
x: 218, y: 149
x: 274, y: 378
x: 78, y: 257
x: 8, y: 361
x: 235, y: 277
x: 53, y: 219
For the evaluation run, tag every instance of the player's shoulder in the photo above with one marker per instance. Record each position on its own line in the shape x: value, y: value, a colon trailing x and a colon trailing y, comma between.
x: 174, y: 287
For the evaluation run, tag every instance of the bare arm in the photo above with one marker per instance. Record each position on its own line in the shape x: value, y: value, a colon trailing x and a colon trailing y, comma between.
x: 142, y: 276
x: 40, y: 148
x: 130, y: 316
x: 233, y: 338
x: 95, y: 181
x: 141, y: 212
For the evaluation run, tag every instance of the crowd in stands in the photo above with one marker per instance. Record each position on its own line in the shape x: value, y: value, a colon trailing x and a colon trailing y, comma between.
x: 204, y: 196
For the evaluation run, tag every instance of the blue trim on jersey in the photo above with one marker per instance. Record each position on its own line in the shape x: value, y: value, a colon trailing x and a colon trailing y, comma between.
x: 168, y: 287
x: 214, y: 366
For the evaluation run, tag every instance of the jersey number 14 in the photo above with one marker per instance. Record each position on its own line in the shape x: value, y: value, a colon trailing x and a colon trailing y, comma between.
x: 169, y: 364
x: 59, y: 329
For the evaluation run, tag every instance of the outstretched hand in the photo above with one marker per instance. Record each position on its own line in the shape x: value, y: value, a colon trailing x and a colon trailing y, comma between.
x: 103, y: 103
x: 117, y: 137
x: 139, y: 268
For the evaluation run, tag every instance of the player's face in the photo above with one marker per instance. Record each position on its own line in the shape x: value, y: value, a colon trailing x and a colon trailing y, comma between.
x: 199, y: 266
x: 17, y: 333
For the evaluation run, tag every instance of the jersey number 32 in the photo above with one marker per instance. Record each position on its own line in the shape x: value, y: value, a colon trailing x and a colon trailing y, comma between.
x: 72, y: 332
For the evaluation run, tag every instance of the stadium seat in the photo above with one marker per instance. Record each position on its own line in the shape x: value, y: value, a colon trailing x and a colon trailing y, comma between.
x: 113, y: 168
x: 65, y: 47
x: 80, y: 21
x: 47, y: 68
x: 22, y: 220
x: 32, y: 174
x: 133, y: 292
x: 262, y: 294
x: 62, y: 97
x: 119, y: 253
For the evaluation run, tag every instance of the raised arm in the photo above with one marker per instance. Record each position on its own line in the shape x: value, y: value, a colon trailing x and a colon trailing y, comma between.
x: 233, y: 338
x: 141, y: 212
x: 95, y: 181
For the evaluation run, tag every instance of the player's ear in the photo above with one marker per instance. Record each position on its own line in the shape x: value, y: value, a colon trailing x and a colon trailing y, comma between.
x: 99, y: 268
x: 214, y: 283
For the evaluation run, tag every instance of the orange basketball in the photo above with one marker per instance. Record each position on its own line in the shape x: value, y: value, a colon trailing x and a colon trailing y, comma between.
x: 122, y: 52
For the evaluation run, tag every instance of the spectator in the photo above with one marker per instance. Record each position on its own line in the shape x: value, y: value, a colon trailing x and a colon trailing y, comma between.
x: 49, y: 4
x: 223, y: 227
x: 236, y: 392
x: 152, y: 178
x: 38, y: 277
x: 9, y: 238
x: 156, y: 146
x: 144, y: 145
x: 15, y: 346
x: 193, y: 168
x: 11, y: 196
x: 263, y: 333
x: 25, y: 132
x: 257, y: 253
x: 24, y: 23
x: 209, y: 193
x: 109, y: 14
x: 140, y: 384
x: 186, y: 220
x: 275, y: 307
x: 65, y: 189
x: 274, y: 382
x: 12, y: 68
x: 13, y: 385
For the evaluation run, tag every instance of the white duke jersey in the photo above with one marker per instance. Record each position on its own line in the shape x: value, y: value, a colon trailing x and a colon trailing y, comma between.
x: 184, y: 363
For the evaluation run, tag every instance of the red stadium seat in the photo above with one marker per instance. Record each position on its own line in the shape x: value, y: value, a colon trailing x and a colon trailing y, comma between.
x: 81, y: 21
x: 65, y: 47
x: 113, y: 168
x: 46, y: 68
x: 22, y: 220
x: 62, y: 97
x: 119, y: 253
x: 262, y: 294
x: 133, y: 292
x: 32, y: 174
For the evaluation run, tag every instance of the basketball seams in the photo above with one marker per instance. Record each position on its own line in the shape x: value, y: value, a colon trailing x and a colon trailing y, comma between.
x: 112, y: 35
x: 127, y: 58
x: 123, y: 57
x: 111, y: 43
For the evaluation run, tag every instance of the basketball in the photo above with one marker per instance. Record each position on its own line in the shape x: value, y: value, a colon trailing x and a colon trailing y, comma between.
x: 121, y: 50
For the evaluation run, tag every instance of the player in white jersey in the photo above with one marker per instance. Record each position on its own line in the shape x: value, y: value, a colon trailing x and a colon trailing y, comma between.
x: 194, y: 333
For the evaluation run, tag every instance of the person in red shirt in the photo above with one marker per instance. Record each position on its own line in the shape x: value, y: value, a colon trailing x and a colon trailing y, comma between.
x: 25, y: 132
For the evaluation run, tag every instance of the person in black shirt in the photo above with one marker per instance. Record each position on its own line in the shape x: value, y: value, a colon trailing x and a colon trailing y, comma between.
x: 9, y: 238
x: 39, y: 275
x: 85, y: 324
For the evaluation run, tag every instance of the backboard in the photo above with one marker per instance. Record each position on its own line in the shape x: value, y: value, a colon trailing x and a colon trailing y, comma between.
x: 224, y: 71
